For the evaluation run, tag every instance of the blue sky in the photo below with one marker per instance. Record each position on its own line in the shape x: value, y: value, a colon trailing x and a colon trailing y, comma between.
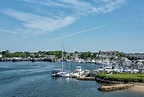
x: 83, y: 25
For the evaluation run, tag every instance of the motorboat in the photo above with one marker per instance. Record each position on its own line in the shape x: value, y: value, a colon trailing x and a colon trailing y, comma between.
x: 78, y: 72
x: 56, y: 73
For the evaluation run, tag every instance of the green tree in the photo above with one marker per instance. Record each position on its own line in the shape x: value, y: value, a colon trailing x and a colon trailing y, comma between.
x: 85, y: 55
x: 6, y: 53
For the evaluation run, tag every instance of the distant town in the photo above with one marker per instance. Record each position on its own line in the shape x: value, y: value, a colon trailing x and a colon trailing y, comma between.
x: 111, y: 62
x: 133, y: 62
x: 54, y: 56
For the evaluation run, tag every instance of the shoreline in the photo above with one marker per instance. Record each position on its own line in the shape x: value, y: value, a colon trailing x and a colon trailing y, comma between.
x: 139, y: 89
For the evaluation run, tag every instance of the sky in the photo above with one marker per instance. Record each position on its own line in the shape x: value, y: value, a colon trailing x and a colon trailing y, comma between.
x: 82, y: 25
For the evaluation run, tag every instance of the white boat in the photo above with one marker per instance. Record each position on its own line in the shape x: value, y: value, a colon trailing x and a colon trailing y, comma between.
x: 127, y: 70
x: 78, y: 72
x: 61, y: 72
x: 66, y: 75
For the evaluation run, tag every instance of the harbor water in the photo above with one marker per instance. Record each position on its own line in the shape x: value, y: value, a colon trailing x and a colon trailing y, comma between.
x: 33, y: 79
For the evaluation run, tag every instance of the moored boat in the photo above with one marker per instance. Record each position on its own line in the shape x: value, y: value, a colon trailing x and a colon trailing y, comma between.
x: 56, y: 73
x: 78, y: 72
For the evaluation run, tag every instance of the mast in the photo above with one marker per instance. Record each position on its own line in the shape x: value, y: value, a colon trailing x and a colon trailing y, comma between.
x: 62, y: 55
x: 62, y: 60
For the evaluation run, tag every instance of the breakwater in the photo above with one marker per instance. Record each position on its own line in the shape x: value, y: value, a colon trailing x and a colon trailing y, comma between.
x: 115, y: 87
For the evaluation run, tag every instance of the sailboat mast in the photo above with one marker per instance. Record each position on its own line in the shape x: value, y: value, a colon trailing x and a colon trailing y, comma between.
x: 62, y: 55
x: 62, y: 60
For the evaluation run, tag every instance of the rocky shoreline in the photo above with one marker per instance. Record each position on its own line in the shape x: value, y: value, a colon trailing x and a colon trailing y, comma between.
x: 116, y: 85
x: 108, y: 81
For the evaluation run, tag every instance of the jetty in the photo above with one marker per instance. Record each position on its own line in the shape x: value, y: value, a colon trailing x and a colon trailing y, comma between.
x: 115, y: 87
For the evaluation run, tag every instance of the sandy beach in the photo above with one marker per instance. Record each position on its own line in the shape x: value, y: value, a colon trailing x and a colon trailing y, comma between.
x: 137, y: 89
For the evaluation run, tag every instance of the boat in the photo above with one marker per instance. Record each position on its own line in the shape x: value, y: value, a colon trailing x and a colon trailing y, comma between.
x: 60, y: 72
x: 56, y: 73
x: 65, y: 74
x: 78, y: 72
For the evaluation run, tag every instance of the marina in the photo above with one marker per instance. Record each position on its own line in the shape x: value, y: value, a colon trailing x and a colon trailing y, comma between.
x: 20, y: 79
x: 106, y: 66
x: 71, y: 48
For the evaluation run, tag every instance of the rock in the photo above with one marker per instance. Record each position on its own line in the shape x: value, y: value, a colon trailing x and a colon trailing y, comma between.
x: 115, y: 87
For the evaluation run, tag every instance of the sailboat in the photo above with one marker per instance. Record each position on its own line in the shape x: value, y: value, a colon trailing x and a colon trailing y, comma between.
x: 64, y: 73
x: 61, y: 72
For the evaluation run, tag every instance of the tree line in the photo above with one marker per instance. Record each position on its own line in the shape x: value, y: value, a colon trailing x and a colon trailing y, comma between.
x: 41, y: 54
x: 58, y: 54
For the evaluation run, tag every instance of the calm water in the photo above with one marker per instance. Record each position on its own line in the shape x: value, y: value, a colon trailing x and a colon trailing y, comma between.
x: 33, y: 79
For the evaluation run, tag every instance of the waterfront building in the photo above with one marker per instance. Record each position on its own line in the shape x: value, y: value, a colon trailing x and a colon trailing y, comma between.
x: 107, y: 54
x: 51, y: 57
x: 136, y: 56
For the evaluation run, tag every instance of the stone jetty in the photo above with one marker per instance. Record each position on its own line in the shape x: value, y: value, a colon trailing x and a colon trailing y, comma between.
x: 115, y: 87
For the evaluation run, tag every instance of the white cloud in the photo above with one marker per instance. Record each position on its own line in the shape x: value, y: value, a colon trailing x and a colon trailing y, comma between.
x: 38, y: 24
x: 110, y: 5
x: 82, y: 7
x: 59, y: 13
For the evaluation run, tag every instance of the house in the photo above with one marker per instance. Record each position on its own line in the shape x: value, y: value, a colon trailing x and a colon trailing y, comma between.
x: 50, y: 58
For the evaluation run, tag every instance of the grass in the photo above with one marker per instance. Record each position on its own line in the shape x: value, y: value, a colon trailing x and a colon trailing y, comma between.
x: 122, y: 77
x: 128, y: 75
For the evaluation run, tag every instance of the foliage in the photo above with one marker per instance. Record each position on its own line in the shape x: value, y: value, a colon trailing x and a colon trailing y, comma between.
x: 85, y: 55
x: 25, y: 54
x: 122, y: 77
x: 58, y: 54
